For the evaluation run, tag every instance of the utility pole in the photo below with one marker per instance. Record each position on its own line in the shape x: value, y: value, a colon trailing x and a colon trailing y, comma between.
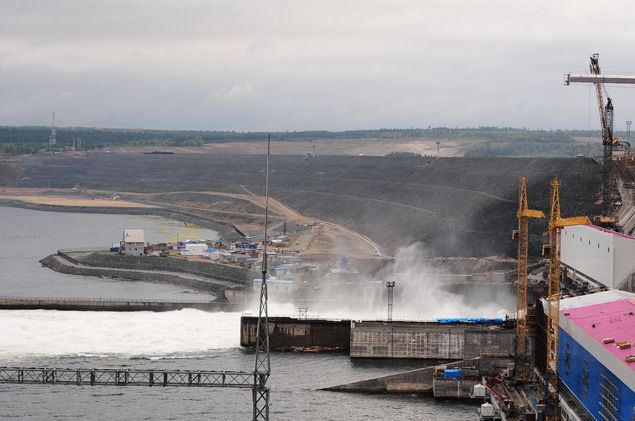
x: 391, y: 286
x: 438, y: 152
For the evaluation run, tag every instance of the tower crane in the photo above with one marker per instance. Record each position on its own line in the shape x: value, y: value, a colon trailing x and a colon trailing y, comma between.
x: 556, y: 223
x: 522, y: 235
x: 606, y: 119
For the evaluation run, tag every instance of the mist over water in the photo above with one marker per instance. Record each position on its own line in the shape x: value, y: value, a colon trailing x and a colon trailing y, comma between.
x: 417, y: 295
x: 421, y: 297
x: 29, y: 334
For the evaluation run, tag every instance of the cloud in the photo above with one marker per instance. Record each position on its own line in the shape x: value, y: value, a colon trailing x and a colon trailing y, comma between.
x: 307, y: 65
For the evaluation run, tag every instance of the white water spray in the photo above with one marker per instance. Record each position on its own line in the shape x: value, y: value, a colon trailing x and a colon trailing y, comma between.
x: 28, y: 334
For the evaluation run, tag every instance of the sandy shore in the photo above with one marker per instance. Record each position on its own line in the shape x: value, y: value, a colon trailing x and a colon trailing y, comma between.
x: 77, y: 201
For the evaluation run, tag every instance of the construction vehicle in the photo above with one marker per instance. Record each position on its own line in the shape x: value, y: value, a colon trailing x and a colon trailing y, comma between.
x: 556, y: 223
x: 521, y: 372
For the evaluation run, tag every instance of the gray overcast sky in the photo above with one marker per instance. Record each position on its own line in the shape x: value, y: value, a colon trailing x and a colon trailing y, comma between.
x: 253, y: 65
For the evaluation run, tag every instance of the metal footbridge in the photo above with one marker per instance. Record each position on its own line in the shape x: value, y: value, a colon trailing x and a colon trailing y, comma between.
x: 127, y: 377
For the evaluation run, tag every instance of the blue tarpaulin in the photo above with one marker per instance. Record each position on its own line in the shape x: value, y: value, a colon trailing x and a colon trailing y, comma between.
x: 454, y: 373
x: 469, y: 320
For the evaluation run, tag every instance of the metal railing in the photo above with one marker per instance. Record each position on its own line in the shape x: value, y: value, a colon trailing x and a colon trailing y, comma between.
x: 79, y: 249
x: 105, y: 300
x: 125, y: 377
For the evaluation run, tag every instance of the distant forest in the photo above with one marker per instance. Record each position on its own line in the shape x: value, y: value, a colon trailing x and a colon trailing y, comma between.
x: 489, y: 141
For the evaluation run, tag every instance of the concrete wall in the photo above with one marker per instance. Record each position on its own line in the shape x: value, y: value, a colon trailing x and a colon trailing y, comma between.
x: 428, y: 340
x: 286, y: 333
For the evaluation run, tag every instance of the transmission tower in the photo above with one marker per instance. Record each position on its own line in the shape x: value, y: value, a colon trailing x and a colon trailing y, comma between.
x: 391, y: 286
x: 263, y: 364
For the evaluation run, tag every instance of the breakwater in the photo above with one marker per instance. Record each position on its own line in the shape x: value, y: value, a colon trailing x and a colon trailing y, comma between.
x: 200, y: 275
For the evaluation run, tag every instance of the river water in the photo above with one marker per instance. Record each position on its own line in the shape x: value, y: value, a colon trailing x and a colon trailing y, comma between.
x: 186, y: 339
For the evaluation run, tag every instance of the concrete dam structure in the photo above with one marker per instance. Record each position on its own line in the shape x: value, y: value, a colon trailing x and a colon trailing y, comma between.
x: 386, y: 339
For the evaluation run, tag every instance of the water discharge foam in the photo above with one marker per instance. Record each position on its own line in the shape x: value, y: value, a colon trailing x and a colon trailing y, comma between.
x: 28, y: 334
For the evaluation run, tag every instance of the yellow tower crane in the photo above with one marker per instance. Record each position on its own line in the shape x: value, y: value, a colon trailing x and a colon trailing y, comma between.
x: 556, y: 223
x: 521, y: 373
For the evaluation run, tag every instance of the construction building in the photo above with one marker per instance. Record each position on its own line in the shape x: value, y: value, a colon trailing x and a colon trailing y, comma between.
x: 600, y: 257
x: 133, y: 242
x: 596, y: 358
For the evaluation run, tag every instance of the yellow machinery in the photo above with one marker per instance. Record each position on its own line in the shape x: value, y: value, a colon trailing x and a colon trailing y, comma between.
x: 521, y: 372
x: 556, y: 223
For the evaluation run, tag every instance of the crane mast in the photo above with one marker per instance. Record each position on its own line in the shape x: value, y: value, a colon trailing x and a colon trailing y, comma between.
x: 607, y: 130
x: 521, y: 373
x: 606, y: 119
x: 556, y: 223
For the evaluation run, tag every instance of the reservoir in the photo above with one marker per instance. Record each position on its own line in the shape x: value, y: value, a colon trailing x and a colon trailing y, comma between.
x: 186, y: 339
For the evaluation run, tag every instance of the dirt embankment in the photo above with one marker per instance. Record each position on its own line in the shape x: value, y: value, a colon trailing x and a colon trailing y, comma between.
x: 451, y: 206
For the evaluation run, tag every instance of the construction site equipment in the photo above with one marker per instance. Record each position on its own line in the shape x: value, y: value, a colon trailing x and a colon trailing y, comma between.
x: 521, y: 372
x: 556, y: 223
x: 606, y: 119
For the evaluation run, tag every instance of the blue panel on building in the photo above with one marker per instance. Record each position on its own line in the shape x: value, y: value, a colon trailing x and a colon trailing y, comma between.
x: 601, y: 392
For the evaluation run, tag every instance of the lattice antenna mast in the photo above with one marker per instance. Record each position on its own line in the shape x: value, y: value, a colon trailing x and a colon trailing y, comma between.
x: 263, y: 365
x: 53, y: 136
x: 521, y: 372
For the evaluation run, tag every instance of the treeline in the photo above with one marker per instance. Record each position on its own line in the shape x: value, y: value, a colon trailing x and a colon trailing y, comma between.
x: 32, y: 139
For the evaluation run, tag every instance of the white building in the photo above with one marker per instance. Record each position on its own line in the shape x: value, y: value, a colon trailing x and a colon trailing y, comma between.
x: 276, y: 286
x: 600, y: 255
x: 193, y: 249
x: 213, y: 254
x: 133, y: 242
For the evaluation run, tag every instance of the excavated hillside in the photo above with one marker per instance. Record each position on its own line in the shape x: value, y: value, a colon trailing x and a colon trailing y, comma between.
x: 453, y: 206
